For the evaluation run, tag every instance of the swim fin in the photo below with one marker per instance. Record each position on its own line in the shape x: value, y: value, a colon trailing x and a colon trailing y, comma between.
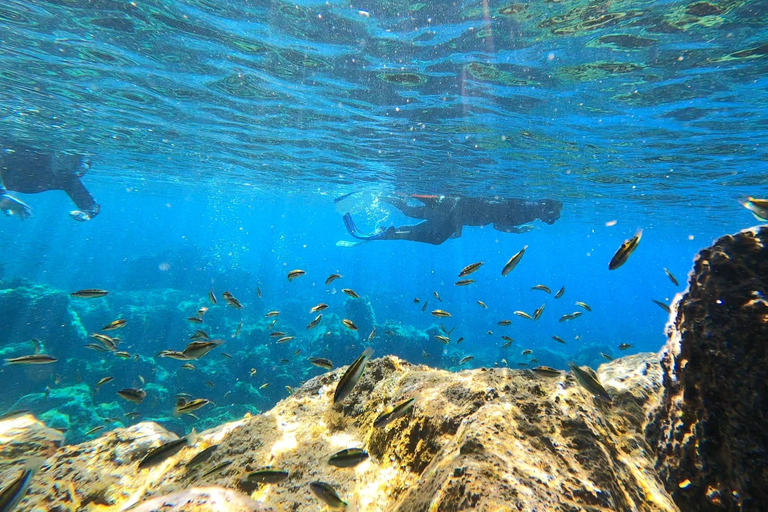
x: 352, y: 229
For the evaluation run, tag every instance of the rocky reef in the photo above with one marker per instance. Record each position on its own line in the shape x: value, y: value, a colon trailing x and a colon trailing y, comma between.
x: 711, y: 432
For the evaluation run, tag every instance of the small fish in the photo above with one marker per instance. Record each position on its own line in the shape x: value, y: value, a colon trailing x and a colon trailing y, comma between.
x: 464, y: 282
x: 172, y: 354
x: 606, y: 356
x: 132, y: 395
x: 253, y: 372
x: 416, y: 300
x: 225, y: 354
x: 576, y: 314
x: 349, y: 324
x: 14, y: 492
x: 319, y: 307
x: 566, y: 317
x: 505, y: 322
x: 351, y: 376
x: 327, y: 494
x: 266, y: 475
x: 94, y: 430
x: 671, y: 277
x: 758, y: 207
x: 460, y: 340
x: 201, y: 456
x: 122, y: 354
x: 289, y: 389
x: 293, y: 274
x: 197, y: 349
x: 469, y: 269
x: 589, y: 381
x: 351, y: 293
x: 31, y: 359
x: 199, y: 335
x: 195, y: 319
x: 507, y: 338
x: 321, y: 362
x: 424, y: 307
x: 490, y: 332
x: 188, y: 366
x: 560, y: 292
x: 104, y: 381
x: 202, y: 311
x: 233, y: 302
x: 284, y: 361
x: 115, y: 324
x: 513, y: 261
x: 277, y: 334
x: 266, y: 384
x: 625, y: 346
x: 372, y: 335
x: 546, y: 370
x: 443, y: 339
x: 332, y: 278
x: 109, y: 342
x: 191, y: 406
x: 216, y: 469
x: 662, y: 305
x: 393, y: 413
x: 538, y: 312
x: 440, y: 313
x: 583, y: 305
x: 507, y: 344
x: 89, y: 293
x: 523, y: 314
x: 239, y: 328
x: 558, y: 339
x: 258, y: 291
x: 466, y: 359
x: 132, y: 415
x: 271, y: 314
x: 286, y: 339
x: 437, y: 296
x: 212, y: 297
x: 626, y: 249
x: 348, y: 458
x: 542, y: 288
x: 482, y: 304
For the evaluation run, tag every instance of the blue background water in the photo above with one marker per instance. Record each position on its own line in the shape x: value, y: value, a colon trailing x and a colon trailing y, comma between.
x: 220, y: 132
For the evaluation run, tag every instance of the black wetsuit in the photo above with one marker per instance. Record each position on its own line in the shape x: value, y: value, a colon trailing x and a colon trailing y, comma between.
x: 445, y: 216
x: 29, y: 171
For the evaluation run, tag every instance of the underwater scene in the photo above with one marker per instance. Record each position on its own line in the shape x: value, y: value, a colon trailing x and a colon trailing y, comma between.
x: 216, y: 209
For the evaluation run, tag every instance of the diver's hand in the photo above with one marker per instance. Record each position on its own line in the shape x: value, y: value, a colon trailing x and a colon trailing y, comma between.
x: 12, y: 206
x: 85, y: 216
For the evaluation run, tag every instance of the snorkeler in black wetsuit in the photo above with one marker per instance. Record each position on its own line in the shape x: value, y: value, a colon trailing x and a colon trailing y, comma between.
x: 28, y: 171
x: 445, y: 216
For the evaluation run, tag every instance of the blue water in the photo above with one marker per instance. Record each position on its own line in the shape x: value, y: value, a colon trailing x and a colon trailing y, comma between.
x: 220, y: 132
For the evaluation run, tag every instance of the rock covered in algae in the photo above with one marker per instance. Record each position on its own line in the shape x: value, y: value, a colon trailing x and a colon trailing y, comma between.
x: 486, y: 439
x: 202, y: 499
x: 711, y: 431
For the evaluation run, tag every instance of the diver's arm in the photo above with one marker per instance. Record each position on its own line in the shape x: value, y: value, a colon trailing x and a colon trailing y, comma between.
x: 87, y: 207
x: 414, y: 212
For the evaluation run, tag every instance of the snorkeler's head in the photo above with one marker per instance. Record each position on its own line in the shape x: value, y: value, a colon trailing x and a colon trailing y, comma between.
x: 550, y: 210
x: 63, y: 163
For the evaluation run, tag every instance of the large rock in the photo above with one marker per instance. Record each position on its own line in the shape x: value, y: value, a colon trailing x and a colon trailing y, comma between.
x: 711, y: 431
x: 486, y: 439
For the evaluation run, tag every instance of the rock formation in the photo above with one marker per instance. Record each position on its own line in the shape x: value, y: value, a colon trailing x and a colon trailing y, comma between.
x: 711, y: 431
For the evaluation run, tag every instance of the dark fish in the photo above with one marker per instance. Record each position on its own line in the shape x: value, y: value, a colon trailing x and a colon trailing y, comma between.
x: 566, y: 317
x: 216, y: 468
x: 195, y: 319
x: 122, y: 354
x: 327, y: 494
x: 523, y: 314
x: 89, y: 293
x: 460, y: 340
x: 542, y: 288
x: 393, y: 413
x: 191, y: 405
x: 233, y: 302
x: 228, y: 356
x: 589, y: 381
x: 313, y: 323
x: 437, y: 296
x: 348, y: 458
x: 546, y: 370
x: 267, y: 475
x: 583, y: 305
x: 32, y: 359
x: 132, y: 415
x: 662, y: 305
x: 286, y: 339
x: 443, y: 339
x: 203, y: 310
x: 197, y: 349
x: 558, y: 339
x: 513, y: 261
x: 527, y: 352
x: 560, y: 292
x: 576, y: 314
x: 132, y: 395
x: 293, y: 274
x: 172, y: 354
x: 606, y: 357
x: 424, y: 307
x: 201, y: 456
x: 258, y: 292
x: 671, y: 277
x: 416, y: 300
x: 440, y: 313
x: 349, y: 324
x: 108, y: 342
x: 319, y: 308
x: 625, y: 346
x: 505, y: 322
x: 239, y: 328
x: 464, y: 282
x: 627, y: 248
x: 351, y: 293
x: 538, y: 312
x: 482, y: 304
x: 332, y: 278
x: 188, y: 366
x: 115, y: 324
x: 212, y: 297
x: 162, y: 452
x: 321, y: 362
x: 271, y: 314
x: 13, y: 493
x: 372, y: 334
x: 351, y: 376
x: 92, y: 431
x: 277, y: 334
x: 466, y: 359
x: 104, y: 381
x: 199, y: 335
x: 472, y: 267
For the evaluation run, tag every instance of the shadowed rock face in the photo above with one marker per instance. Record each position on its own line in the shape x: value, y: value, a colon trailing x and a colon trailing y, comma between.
x: 711, y: 432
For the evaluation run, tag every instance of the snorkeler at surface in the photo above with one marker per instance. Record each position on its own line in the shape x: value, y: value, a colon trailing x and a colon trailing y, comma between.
x: 445, y: 216
x: 28, y: 171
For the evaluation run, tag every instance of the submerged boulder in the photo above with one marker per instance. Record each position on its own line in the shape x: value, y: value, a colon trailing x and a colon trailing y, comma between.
x: 711, y: 431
